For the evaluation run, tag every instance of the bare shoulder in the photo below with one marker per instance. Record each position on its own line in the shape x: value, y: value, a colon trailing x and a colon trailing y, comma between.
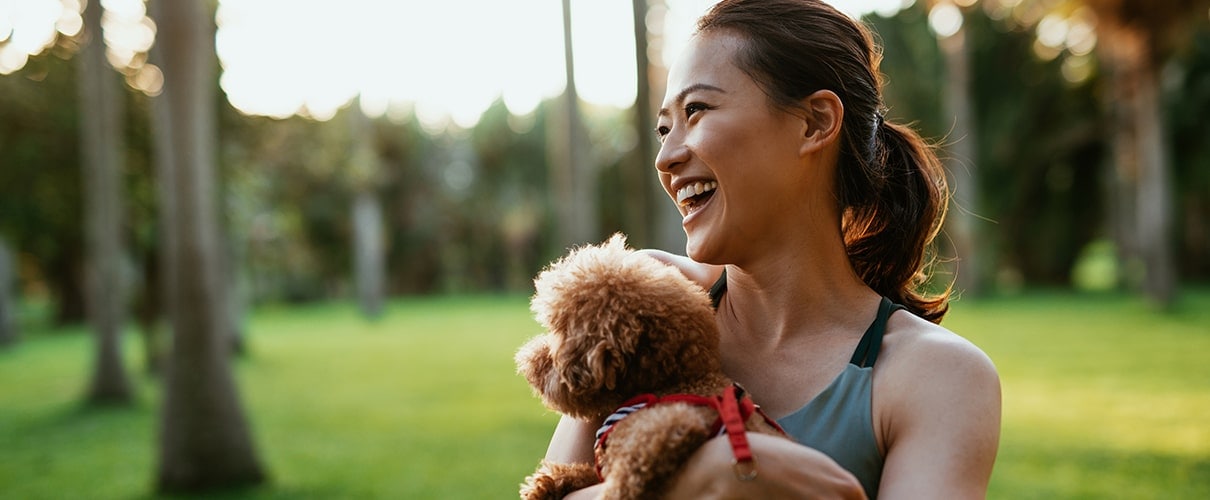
x: 928, y: 370
x: 937, y: 402
x: 917, y: 351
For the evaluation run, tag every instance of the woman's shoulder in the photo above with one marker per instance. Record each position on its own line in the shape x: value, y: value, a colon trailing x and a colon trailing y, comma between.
x: 931, y: 374
x: 915, y: 345
x: 937, y: 408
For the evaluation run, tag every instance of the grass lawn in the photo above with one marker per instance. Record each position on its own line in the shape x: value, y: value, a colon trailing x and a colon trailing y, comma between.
x: 1102, y: 399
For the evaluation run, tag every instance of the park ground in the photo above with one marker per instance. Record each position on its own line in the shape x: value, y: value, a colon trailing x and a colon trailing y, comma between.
x: 1103, y: 398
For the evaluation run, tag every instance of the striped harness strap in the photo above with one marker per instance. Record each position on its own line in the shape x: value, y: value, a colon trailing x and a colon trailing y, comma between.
x: 733, y: 407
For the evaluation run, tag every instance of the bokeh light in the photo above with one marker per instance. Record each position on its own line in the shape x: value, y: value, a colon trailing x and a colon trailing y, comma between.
x: 945, y: 19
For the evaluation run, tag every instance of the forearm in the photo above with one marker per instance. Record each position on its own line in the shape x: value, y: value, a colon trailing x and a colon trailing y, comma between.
x: 572, y: 442
x: 784, y: 470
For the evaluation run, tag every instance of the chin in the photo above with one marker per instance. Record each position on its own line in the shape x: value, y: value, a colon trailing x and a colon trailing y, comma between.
x: 701, y: 251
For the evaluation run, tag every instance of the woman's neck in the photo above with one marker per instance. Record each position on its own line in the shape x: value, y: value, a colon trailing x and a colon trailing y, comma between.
x: 803, y: 289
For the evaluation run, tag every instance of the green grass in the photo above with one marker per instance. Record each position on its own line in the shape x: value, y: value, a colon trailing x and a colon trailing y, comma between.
x: 1102, y: 399
x: 422, y: 404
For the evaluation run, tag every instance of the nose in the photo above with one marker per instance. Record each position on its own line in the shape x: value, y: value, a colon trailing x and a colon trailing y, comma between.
x: 672, y: 153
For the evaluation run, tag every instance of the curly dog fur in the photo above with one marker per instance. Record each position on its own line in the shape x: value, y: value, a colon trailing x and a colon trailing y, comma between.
x: 620, y: 324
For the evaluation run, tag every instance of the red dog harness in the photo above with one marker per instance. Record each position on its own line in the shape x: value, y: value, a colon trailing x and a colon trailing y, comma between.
x: 733, y: 407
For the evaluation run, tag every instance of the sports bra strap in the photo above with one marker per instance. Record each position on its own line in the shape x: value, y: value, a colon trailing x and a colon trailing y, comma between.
x: 871, y: 342
x: 719, y: 288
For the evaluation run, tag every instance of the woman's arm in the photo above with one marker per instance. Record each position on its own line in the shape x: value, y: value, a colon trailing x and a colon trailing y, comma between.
x: 942, y: 419
x: 572, y: 442
x: 785, y: 469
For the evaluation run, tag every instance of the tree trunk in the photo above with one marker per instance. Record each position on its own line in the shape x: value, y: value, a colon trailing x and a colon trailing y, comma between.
x: 639, y: 209
x: 1155, y: 195
x: 1141, y: 161
x: 157, y: 342
x: 961, y: 164
x: 574, y: 179
x: 102, y: 158
x: 369, y: 252
x: 368, y: 255
x: 8, y: 304
x: 204, y: 439
x: 661, y: 220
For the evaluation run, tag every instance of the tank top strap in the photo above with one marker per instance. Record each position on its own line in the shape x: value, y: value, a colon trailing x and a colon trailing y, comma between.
x: 718, y: 289
x: 871, y: 342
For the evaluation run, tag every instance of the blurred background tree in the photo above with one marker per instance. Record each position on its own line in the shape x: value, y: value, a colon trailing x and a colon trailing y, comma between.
x: 103, y: 148
x: 204, y: 439
x: 8, y: 302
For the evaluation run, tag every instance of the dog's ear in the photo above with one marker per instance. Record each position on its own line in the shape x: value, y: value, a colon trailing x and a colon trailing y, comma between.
x: 591, y: 361
x: 535, y: 363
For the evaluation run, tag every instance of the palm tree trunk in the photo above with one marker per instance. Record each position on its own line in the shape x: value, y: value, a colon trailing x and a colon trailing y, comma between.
x: 574, y: 181
x: 102, y: 159
x: 204, y: 438
x: 8, y: 304
x: 661, y: 222
x: 961, y: 163
x: 369, y: 259
x: 369, y: 255
x: 1144, y: 209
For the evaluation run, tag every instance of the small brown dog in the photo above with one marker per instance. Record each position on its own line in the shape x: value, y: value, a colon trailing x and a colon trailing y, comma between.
x: 621, y: 324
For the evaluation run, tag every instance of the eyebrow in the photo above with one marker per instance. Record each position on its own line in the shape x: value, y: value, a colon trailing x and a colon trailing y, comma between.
x: 680, y: 96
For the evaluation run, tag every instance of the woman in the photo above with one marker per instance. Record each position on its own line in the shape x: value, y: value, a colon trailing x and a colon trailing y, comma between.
x: 808, y: 215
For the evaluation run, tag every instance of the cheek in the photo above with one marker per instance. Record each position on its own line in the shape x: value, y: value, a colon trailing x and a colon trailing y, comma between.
x: 666, y: 183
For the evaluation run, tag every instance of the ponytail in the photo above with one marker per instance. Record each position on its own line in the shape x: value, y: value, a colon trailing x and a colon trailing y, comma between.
x: 888, y: 234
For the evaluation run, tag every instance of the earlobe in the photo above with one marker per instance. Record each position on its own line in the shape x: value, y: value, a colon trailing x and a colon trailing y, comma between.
x: 823, y: 116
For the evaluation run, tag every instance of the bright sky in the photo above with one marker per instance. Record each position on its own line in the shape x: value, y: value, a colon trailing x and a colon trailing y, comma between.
x: 448, y: 60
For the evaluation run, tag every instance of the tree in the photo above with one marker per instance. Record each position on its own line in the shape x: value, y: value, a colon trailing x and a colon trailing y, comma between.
x: 369, y: 255
x: 663, y: 222
x: 204, y: 439
x: 101, y: 144
x: 8, y: 310
x: 961, y: 159
x: 1135, y: 39
x: 635, y: 174
x: 573, y: 177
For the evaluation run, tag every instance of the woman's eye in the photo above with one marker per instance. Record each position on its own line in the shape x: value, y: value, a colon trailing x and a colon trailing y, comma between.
x: 662, y: 131
x: 694, y: 107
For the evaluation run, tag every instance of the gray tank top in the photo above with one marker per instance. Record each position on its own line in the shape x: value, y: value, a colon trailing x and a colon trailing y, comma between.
x: 839, y: 422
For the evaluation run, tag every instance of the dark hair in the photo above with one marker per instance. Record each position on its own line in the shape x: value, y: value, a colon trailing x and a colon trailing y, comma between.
x: 889, y: 183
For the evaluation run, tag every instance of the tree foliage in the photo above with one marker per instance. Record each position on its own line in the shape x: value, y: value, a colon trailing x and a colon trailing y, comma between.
x: 469, y: 210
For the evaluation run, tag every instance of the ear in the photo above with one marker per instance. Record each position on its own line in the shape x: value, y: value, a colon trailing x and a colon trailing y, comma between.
x: 535, y: 363
x: 590, y: 362
x: 823, y: 114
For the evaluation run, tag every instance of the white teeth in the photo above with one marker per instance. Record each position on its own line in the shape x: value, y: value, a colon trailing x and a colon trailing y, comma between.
x: 684, y: 193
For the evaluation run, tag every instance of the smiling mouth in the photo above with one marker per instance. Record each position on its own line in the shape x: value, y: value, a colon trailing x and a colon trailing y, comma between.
x: 695, y: 194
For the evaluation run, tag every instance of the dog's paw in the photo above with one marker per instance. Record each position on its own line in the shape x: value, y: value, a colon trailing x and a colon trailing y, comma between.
x: 553, y: 481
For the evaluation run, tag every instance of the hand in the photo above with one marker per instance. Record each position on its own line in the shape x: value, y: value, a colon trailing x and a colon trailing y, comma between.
x: 784, y: 470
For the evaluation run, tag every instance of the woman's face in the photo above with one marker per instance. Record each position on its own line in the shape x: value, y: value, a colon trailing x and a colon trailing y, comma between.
x: 730, y: 161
